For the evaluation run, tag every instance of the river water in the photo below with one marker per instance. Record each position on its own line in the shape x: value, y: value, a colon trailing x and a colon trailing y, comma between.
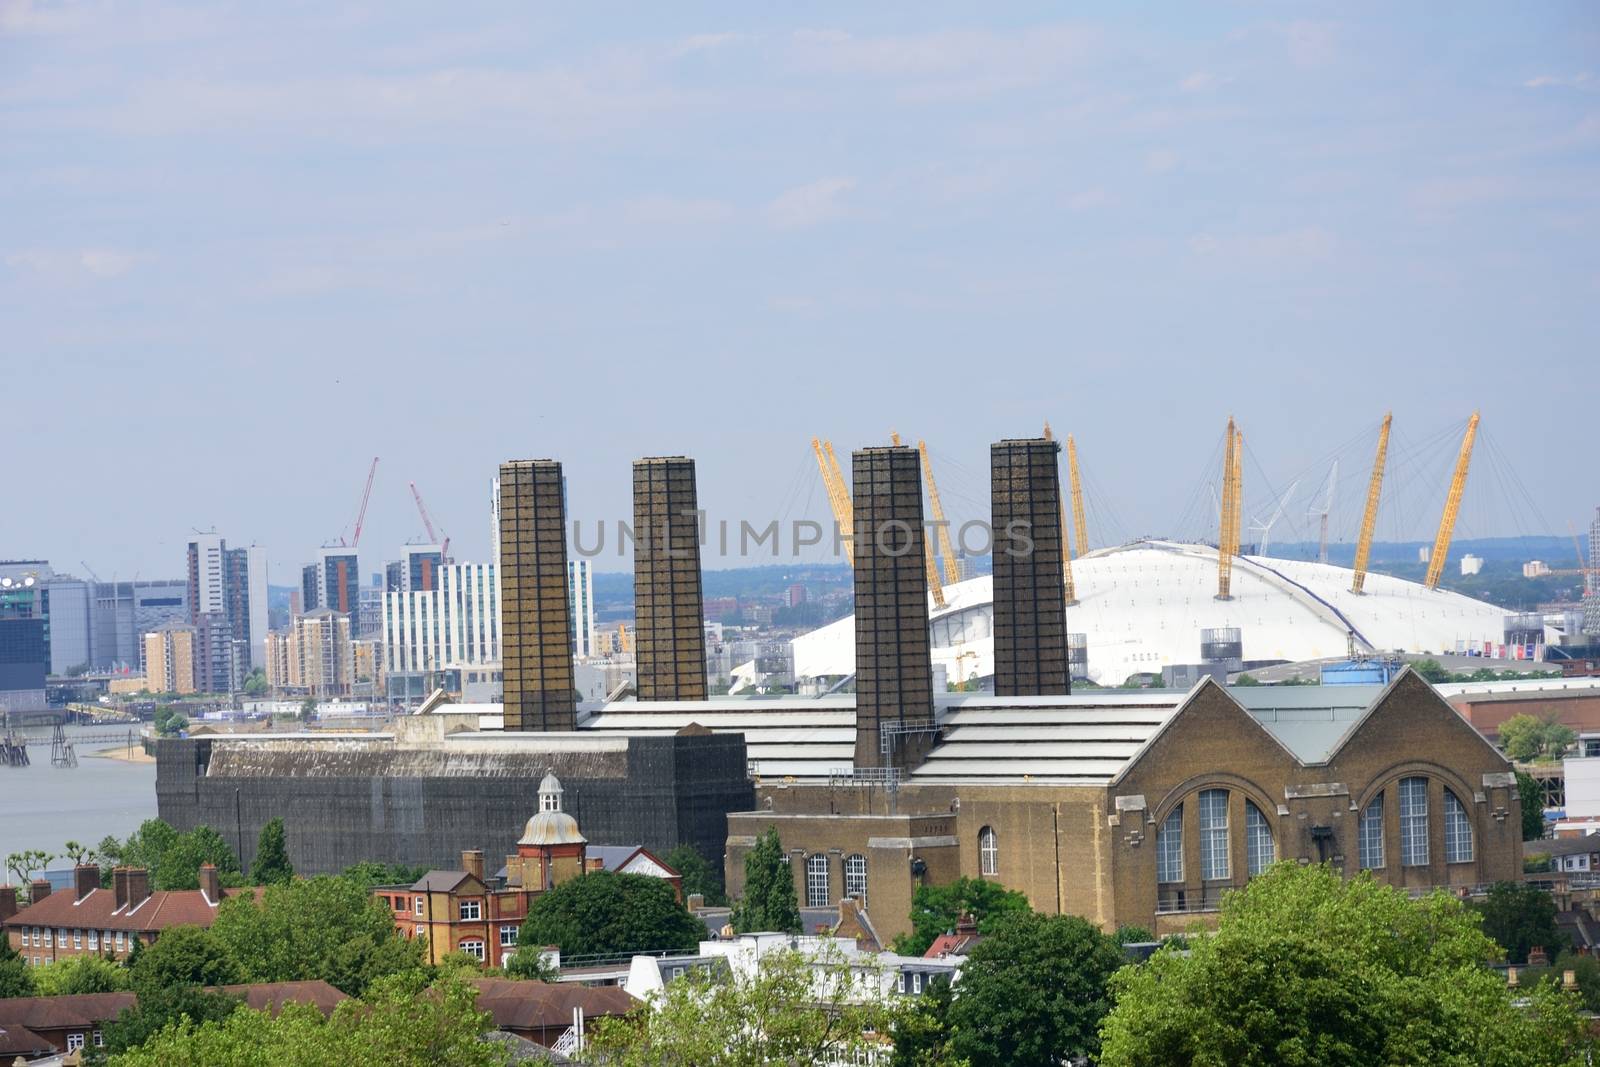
x: 44, y: 807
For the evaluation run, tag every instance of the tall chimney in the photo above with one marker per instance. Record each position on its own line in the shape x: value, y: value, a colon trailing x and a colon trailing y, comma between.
x: 85, y: 879
x: 138, y: 886
x: 894, y: 671
x: 1030, y: 606
x: 119, y: 887
x: 669, y: 636
x: 472, y: 862
x: 210, y: 883
x: 38, y: 890
x: 8, y: 902
x: 536, y: 628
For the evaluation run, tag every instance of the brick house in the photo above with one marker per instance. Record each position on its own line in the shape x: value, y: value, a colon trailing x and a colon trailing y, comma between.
x: 92, y: 920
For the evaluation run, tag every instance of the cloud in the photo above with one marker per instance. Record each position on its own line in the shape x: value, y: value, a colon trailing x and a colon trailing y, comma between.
x: 1088, y: 199
x: 1300, y: 245
x: 1160, y: 160
x: 63, y: 264
x: 1311, y: 44
x: 659, y: 210
x: 809, y: 205
x: 24, y: 16
x: 1584, y: 80
x: 1202, y: 81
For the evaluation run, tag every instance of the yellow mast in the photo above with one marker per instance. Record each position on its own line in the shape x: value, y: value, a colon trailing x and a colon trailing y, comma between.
x: 1369, y: 518
x: 837, y: 500
x: 947, y: 549
x: 1066, y: 542
x: 1225, y: 525
x: 935, y: 587
x: 1080, y: 527
x: 1452, y: 507
x: 1238, y: 487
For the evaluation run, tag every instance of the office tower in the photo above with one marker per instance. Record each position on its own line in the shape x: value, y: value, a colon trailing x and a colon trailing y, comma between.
x: 669, y: 629
x: 537, y: 634
x: 232, y: 585
x: 169, y: 659
x: 1030, y: 621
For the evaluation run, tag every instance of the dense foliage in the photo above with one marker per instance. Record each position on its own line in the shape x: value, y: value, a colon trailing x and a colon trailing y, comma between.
x: 172, y: 858
x: 1532, y: 806
x: 371, y: 875
x: 769, y: 903
x: 184, y: 955
x: 698, y: 875
x: 935, y: 909
x: 1307, y: 967
x: 1520, y: 917
x: 158, y: 1009
x: 611, y: 915
x: 271, y: 866
x: 16, y: 977
x: 81, y: 974
x: 1536, y: 738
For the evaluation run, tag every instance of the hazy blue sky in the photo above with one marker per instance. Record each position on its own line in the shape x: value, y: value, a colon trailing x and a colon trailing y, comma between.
x: 246, y: 247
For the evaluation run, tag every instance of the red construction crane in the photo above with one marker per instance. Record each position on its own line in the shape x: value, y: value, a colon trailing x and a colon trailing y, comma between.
x: 366, y: 494
x: 427, y: 524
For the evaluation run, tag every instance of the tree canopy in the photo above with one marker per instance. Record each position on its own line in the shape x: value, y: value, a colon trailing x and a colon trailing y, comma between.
x: 935, y: 909
x: 172, y: 858
x: 698, y: 875
x: 1536, y: 738
x: 1520, y: 917
x: 81, y: 974
x: 769, y: 902
x: 184, y: 955
x: 1033, y: 992
x: 326, y: 927
x: 1307, y: 967
x: 611, y: 914
x: 16, y: 977
x: 1532, y: 806
x: 271, y: 866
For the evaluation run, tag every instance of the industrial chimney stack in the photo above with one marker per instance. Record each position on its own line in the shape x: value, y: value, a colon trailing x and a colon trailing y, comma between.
x: 535, y: 617
x: 670, y: 636
x: 1030, y: 607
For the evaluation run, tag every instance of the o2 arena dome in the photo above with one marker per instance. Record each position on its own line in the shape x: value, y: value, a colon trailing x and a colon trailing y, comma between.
x: 1151, y: 604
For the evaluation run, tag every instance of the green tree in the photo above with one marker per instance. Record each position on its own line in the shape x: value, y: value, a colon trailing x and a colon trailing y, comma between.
x: 921, y: 1028
x: 255, y: 684
x: 308, y: 709
x: 160, y: 1011
x: 325, y: 927
x: 79, y: 854
x: 1520, y: 917
x: 529, y: 963
x: 16, y: 977
x: 935, y: 909
x: 611, y: 914
x: 698, y: 875
x: 1308, y: 967
x: 23, y: 864
x: 371, y: 875
x: 1132, y: 935
x: 1246, y: 680
x: 1431, y: 671
x: 1532, y: 806
x: 178, y: 866
x: 185, y: 955
x: 169, y: 720
x: 1536, y: 738
x: 399, y: 1023
x: 271, y: 866
x: 1033, y: 992
x: 81, y: 974
x: 769, y: 902
x: 782, y: 1013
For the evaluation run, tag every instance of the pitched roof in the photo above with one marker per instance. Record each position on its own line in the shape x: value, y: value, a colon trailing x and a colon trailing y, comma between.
x: 441, y: 882
x: 1562, y: 846
x: 272, y: 996
x: 63, y: 1012
x: 538, y: 1005
x: 98, y: 910
x: 18, y: 1040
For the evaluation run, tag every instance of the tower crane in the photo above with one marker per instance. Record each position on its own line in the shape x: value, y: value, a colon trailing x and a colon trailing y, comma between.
x: 1071, y: 586
x: 1369, y: 517
x: 1277, y: 513
x: 1327, y: 506
x: 1452, y: 506
x: 366, y: 494
x: 427, y: 524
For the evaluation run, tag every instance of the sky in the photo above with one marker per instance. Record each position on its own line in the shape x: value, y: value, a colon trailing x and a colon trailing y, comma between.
x: 244, y: 248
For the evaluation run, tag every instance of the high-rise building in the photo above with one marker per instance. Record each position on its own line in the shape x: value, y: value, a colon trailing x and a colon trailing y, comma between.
x: 230, y: 583
x: 537, y: 635
x: 580, y: 603
x: 455, y: 624
x: 310, y: 588
x: 669, y: 620
x: 339, y: 581
x: 169, y: 658
x: 421, y: 567
x: 1030, y: 621
x: 1591, y: 581
x: 314, y: 656
x: 24, y: 633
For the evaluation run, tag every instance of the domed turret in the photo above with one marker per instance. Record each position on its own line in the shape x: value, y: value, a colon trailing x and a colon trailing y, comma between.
x: 551, y: 826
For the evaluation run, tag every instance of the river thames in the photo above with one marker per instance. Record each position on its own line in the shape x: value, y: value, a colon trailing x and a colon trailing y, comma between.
x: 44, y: 807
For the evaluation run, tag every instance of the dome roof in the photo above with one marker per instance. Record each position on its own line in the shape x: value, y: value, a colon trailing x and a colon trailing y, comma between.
x: 552, y: 828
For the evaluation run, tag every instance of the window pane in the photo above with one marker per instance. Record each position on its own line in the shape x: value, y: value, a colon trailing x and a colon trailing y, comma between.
x: 1214, y: 834
x: 1169, y: 848
x: 1258, y: 839
x: 855, y: 877
x: 989, y: 850
x: 817, y: 881
x: 1372, y: 834
x: 1457, y: 831
x: 1413, y: 822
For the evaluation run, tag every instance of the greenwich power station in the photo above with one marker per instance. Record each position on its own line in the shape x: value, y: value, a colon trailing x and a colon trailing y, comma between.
x: 1123, y: 806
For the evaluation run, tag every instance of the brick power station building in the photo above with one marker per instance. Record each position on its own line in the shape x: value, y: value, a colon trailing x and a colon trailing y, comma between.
x: 1122, y: 806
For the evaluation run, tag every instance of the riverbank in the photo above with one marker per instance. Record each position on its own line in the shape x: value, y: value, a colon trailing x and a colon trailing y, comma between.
x: 136, y: 754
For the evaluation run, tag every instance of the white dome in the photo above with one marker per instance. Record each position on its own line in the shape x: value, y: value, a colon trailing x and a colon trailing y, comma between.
x: 552, y: 828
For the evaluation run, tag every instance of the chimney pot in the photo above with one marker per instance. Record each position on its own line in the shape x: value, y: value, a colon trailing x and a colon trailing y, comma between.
x: 210, y: 883
x: 38, y: 890
x: 138, y: 886
x: 8, y: 901
x: 472, y: 862
x: 119, y: 885
x: 696, y: 901
x: 85, y: 879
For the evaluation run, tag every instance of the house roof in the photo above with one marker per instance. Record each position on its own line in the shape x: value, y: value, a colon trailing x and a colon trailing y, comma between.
x: 522, y: 1005
x: 1562, y: 846
x: 63, y: 1012
x: 953, y: 943
x: 272, y: 996
x: 98, y: 910
x: 18, y: 1040
x: 440, y: 881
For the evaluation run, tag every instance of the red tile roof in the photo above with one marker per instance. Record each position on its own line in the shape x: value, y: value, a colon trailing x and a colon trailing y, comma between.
x: 76, y: 1010
x: 98, y: 910
x: 18, y: 1040
x: 272, y: 996
x: 519, y: 1005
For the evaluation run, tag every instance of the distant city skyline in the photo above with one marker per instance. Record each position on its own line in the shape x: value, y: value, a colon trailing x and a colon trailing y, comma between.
x: 717, y: 231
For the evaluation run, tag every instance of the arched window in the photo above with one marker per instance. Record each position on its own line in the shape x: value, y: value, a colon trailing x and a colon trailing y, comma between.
x: 1372, y: 834
x: 1169, y: 848
x: 1258, y: 839
x: 1413, y: 822
x: 817, y: 881
x: 1214, y: 835
x: 1457, y: 831
x: 988, y: 851
x: 855, y: 877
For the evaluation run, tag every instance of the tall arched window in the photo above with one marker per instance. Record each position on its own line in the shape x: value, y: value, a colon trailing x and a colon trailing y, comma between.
x: 988, y: 851
x: 1214, y: 835
x: 1457, y: 831
x: 855, y: 877
x: 1260, y: 847
x: 1169, y: 848
x: 1372, y: 834
x: 1413, y: 822
x: 817, y: 881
